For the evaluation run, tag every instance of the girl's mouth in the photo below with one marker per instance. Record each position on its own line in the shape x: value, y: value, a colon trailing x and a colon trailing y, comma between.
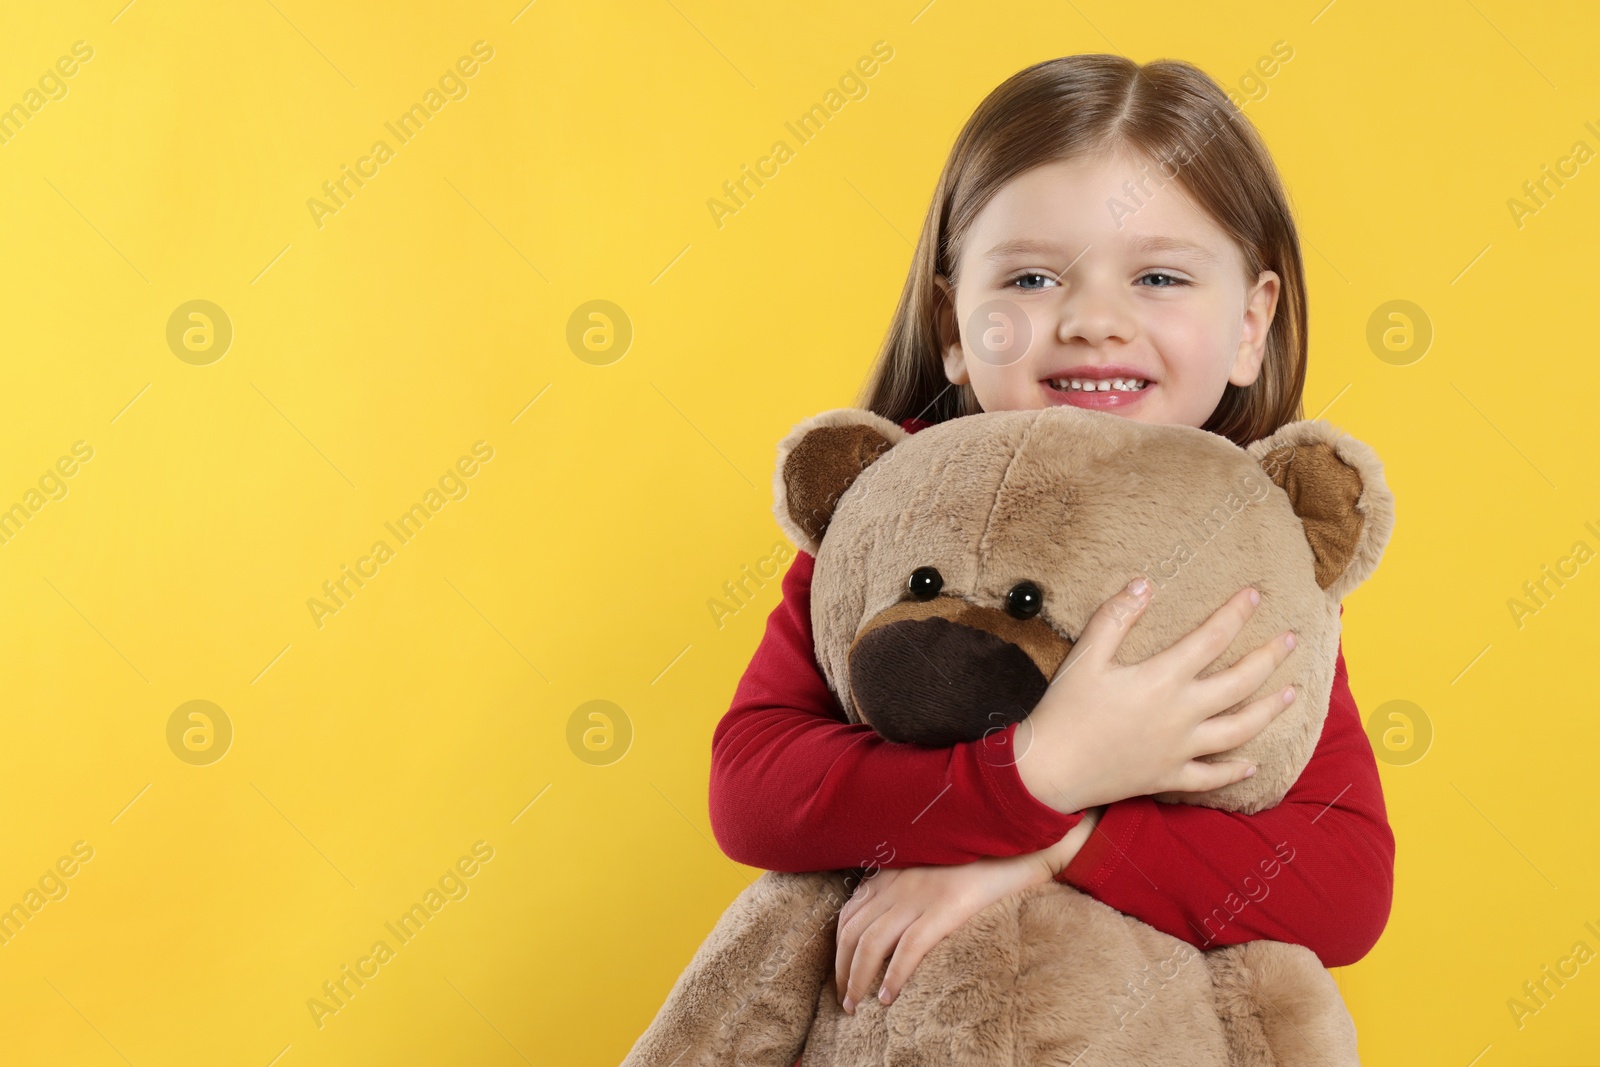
x: 1099, y: 393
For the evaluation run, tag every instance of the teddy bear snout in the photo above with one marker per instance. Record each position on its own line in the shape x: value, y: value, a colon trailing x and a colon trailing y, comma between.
x: 944, y: 671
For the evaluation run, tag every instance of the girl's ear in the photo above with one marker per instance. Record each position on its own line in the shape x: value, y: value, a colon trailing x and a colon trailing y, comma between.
x: 951, y: 354
x: 818, y: 460
x: 1335, y: 484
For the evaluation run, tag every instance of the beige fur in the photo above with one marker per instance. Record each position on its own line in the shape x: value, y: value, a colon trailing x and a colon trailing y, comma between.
x: 1076, y: 502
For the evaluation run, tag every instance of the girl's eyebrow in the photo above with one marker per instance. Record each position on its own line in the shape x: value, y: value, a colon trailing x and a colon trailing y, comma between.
x: 1145, y: 245
x: 1021, y: 246
x: 1158, y: 243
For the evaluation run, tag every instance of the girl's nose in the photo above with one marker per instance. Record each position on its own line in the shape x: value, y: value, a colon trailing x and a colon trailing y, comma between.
x: 1093, y: 313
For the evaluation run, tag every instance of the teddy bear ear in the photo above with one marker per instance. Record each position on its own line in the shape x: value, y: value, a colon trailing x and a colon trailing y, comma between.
x: 1335, y: 484
x: 818, y: 460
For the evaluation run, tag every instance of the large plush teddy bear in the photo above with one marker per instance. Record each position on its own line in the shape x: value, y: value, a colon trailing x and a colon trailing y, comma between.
x: 955, y: 567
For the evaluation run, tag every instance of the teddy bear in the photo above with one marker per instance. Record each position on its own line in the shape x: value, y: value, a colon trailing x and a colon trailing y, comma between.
x: 955, y: 567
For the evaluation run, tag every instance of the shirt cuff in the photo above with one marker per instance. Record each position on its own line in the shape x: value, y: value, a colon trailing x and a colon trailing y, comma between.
x: 1106, y: 849
x: 1031, y: 817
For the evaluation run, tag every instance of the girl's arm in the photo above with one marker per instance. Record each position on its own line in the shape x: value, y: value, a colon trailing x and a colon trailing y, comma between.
x: 1317, y: 869
x: 794, y: 787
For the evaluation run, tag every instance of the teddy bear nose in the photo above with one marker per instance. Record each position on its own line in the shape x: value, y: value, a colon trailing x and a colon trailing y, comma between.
x: 944, y: 672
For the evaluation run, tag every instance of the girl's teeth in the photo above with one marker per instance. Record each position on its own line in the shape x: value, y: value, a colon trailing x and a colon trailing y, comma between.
x: 1100, y: 385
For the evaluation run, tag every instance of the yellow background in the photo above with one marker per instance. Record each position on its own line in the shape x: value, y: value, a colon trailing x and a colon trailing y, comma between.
x: 431, y: 712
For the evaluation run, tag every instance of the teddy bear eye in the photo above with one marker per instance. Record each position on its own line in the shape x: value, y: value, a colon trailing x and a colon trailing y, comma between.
x: 1024, y: 600
x: 925, y: 583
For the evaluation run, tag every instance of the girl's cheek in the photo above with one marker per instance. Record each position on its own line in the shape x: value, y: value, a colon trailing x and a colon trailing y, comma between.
x: 1184, y: 345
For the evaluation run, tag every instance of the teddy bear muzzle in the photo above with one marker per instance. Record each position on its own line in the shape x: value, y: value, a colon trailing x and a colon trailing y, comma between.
x: 942, y: 671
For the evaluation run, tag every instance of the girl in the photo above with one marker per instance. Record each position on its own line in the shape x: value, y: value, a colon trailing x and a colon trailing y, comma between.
x: 1126, y: 223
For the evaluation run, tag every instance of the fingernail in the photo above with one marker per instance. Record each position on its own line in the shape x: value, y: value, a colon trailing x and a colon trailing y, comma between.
x: 1138, y: 587
x: 1247, y: 773
x: 884, y: 996
x: 1290, y: 641
x: 849, y: 1005
x: 1288, y: 694
x: 1255, y: 596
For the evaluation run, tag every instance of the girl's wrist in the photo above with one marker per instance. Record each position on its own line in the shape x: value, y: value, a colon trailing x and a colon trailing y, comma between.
x: 1044, y: 761
x: 1036, y: 867
x: 1057, y: 856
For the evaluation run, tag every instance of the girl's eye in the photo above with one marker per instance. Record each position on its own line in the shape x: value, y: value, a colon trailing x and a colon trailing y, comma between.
x: 1031, y: 275
x: 1173, y: 278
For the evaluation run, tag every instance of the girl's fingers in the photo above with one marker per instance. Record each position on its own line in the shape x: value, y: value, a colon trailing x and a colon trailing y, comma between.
x: 850, y: 930
x: 1197, y: 650
x: 1106, y: 628
x: 1198, y: 776
x: 874, y: 946
x: 1234, y: 683
x: 918, y: 940
x: 853, y: 905
x: 1223, y: 733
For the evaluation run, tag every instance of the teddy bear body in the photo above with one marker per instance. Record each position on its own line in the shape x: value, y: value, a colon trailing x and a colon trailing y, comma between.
x: 955, y: 570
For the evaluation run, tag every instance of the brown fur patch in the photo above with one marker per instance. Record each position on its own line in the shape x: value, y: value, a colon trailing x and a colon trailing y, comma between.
x: 1043, y: 645
x: 822, y: 466
x: 1324, y: 491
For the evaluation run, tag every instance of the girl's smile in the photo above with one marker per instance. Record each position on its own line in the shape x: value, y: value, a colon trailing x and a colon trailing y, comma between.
x: 1115, y: 387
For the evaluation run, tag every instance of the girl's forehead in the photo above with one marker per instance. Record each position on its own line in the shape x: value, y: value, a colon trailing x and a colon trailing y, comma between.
x: 1116, y: 202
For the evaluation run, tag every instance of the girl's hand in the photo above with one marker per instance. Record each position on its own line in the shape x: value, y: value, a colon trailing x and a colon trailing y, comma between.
x: 1103, y: 733
x: 907, y: 911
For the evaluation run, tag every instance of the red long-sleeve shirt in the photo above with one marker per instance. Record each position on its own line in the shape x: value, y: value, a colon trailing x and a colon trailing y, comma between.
x: 794, y: 787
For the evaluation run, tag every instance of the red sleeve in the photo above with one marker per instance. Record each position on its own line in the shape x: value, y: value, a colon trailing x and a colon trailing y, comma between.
x: 1317, y: 869
x: 794, y: 787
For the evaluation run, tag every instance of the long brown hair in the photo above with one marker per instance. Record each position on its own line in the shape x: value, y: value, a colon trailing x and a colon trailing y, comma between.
x: 1064, y: 108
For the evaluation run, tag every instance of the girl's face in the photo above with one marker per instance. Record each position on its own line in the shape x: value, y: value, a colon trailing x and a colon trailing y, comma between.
x: 1098, y: 271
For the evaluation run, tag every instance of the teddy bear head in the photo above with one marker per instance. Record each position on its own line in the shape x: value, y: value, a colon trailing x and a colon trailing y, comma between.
x: 956, y: 567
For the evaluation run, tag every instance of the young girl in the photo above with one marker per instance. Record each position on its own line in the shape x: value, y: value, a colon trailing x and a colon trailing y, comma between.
x: 1129, y: 224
